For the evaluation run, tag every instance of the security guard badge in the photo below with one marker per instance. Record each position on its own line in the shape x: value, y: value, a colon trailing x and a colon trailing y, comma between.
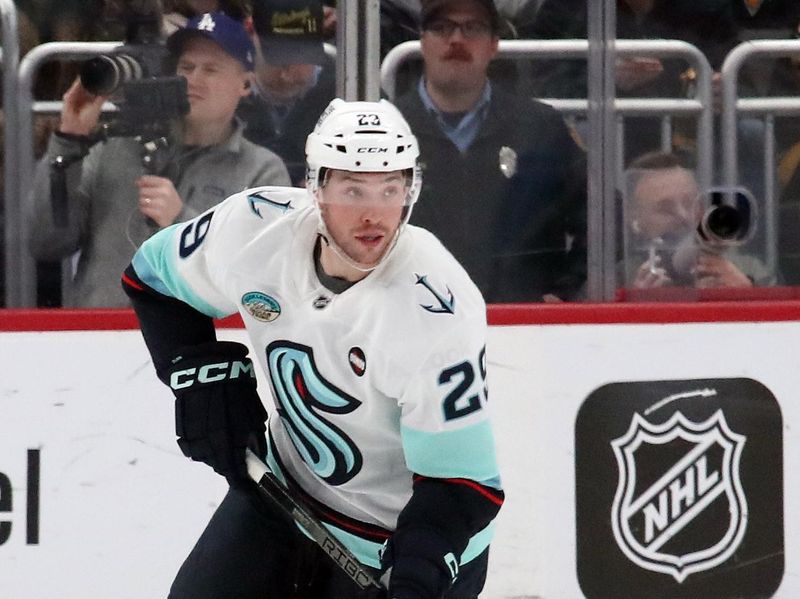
x: 507, y: 160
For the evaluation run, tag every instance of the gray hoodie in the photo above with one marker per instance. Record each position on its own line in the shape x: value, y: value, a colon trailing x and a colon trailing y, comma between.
x: 104, y: 222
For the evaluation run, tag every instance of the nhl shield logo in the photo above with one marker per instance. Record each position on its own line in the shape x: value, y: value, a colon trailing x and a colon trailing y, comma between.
x: 690, y: 517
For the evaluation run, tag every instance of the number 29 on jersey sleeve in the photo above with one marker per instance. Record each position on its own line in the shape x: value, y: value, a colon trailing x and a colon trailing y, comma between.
x: 462, y: 398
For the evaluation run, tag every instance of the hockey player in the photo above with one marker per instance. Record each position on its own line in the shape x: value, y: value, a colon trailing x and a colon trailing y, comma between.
x: 372, y: 338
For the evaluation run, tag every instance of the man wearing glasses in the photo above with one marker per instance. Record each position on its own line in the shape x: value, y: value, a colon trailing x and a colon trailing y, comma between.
x: 504, y: 180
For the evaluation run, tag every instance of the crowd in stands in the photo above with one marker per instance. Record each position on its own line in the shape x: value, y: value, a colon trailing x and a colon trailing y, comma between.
x: 505, y: 174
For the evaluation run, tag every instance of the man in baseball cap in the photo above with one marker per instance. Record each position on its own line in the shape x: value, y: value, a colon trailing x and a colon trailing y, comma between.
x: 229, y: 34
x: 127, y: 199
x: 431, y: 11
x: 294, y: 79
x: 290, y: 31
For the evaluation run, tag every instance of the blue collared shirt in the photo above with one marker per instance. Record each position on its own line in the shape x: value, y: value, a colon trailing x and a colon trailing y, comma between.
x: 462, y: 134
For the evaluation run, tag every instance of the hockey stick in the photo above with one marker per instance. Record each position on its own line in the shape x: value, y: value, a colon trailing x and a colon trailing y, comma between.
x: 292, y: 506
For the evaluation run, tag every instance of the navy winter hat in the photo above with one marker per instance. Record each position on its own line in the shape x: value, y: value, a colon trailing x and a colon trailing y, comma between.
x: 228, y: 33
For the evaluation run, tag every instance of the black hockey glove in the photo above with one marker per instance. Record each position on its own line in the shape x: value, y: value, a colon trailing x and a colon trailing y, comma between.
x: 418, y: 564
x: 217, y: 410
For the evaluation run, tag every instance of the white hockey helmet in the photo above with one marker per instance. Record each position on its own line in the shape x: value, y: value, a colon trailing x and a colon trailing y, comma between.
x: 362, y: 137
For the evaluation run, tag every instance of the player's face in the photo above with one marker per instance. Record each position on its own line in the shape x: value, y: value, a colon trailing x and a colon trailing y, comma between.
x: 457, y: 57
x: 667, y: 203
x: 215, y: 80
x: 362, y: 212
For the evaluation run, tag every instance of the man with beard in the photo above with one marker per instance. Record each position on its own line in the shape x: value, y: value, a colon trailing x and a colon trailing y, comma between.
x: 504, y: 180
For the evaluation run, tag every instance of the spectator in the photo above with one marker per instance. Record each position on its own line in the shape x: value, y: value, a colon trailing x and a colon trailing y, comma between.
x: 400, y: 23
x: 706, y: 26
x: 664, y: 208
x: 504, y: 180
x: 710, y: 25
x: 767, y: 19
x: 294, y: 79
x: 112, y: 202
x: 178, y: 12
x: 567, y: 19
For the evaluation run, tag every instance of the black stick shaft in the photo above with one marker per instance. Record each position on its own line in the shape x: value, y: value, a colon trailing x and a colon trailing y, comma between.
x: 272, y: 489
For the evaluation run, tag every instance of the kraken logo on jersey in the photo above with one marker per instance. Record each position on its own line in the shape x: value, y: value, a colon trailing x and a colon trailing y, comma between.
x: 301, y: 393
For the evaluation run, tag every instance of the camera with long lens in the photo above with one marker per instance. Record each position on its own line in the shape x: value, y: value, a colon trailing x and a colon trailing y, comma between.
x: 138, y: 77
x: 728, y: 221
x: 138, y: 80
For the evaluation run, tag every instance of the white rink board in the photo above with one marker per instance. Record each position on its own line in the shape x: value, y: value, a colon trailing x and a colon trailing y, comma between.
x: 120, y: 507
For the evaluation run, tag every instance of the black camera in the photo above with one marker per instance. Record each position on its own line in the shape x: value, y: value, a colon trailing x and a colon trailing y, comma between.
x: 728, y: 221
x: 138, y: 77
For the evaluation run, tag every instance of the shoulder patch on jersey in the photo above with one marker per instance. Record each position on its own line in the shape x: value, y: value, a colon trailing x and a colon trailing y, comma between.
x: 445, y: 306
x: 261, y: 306
x: 258, y: 198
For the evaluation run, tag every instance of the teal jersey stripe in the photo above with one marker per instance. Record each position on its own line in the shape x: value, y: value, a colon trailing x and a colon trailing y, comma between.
x: 464, y: 453
x: 154, y: 263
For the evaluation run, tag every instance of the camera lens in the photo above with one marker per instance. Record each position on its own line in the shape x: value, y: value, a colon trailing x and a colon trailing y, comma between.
x: 105, y: 73
x: 723, y: 222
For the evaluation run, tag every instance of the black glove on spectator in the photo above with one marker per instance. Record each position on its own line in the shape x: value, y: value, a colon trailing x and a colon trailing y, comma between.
x: 419, y: 564
x: 217, y: 410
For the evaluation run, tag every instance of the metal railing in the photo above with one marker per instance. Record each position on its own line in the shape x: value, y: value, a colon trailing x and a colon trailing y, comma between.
x: 699, y: 106
x: 600, y: 204
x: 767, y: 108
x: 25, y: 293
x: 20, y: 109
x: 21, y: 290
x: 18, y: 266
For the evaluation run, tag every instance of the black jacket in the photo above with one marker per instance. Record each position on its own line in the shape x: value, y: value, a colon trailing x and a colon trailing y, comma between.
x: 290, y: 144
x: 518, y: 236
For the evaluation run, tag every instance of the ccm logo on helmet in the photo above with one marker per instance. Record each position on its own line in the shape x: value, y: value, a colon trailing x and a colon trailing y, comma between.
x: 211, y: 373
x: 372, y: 150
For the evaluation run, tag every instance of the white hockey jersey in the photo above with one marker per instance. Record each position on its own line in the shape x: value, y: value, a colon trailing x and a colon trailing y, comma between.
x: 370, y: 385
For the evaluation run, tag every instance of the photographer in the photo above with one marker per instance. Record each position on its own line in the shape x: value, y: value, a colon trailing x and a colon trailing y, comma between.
x: 106, y: 199
x: 663, y: 247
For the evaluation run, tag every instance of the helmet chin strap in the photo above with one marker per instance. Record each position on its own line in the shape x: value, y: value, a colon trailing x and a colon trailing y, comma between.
x: 322, y: 230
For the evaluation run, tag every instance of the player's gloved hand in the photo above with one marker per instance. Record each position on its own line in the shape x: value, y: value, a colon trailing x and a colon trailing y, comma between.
x: 418, y: 564
x: 217, y: 410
